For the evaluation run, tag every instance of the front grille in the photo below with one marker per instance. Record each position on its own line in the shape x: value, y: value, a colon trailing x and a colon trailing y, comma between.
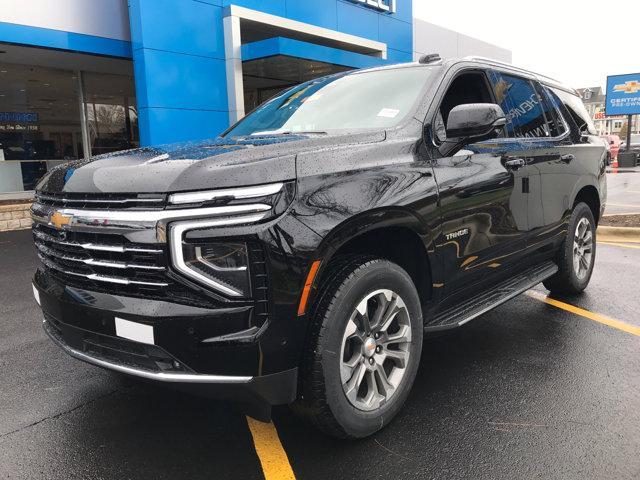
x: 108, y: 263
x: 97, y: 256
x: 102, y: 201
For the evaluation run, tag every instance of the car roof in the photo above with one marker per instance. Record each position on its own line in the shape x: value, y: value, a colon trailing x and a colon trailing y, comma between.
x: 486, y: 62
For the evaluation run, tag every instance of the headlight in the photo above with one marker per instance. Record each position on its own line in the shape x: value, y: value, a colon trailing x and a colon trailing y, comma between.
x: 223, y: 266
x: 220, y: 265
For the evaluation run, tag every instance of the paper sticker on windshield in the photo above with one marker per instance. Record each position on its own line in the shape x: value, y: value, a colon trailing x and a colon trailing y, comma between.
x: 388, y: 113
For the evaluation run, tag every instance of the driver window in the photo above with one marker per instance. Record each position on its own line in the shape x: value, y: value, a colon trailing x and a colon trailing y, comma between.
x: 469, y: 87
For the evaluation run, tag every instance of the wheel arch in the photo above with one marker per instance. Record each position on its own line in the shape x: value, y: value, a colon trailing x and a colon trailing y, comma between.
x: 588, y: 194
x: 379, y: 233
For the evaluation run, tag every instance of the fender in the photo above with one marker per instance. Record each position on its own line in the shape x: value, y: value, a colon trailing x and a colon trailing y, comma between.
x: 371, y: 221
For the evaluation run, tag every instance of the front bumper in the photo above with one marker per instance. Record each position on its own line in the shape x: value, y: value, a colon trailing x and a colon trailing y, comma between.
x: 82, y: 323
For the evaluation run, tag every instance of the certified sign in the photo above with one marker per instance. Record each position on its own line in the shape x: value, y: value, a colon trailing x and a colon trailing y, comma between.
x: 623, y: 94
x: 382, y: 5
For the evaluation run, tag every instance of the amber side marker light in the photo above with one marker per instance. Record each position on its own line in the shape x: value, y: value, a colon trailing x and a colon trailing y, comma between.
x: 307, y: 287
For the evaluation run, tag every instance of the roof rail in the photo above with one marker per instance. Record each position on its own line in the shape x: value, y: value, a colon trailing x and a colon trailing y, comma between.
x: 505, y: 64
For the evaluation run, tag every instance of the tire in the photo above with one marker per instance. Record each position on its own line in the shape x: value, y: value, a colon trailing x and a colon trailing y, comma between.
x: 337, y: 359
x: 572, y: 278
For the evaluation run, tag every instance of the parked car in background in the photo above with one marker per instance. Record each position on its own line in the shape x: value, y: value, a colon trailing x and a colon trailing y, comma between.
x: 301, y: 256
x: 614, y: 145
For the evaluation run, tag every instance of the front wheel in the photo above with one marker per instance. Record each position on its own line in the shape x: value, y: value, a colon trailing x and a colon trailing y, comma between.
x: 577, y: 254
x: 363, y: 349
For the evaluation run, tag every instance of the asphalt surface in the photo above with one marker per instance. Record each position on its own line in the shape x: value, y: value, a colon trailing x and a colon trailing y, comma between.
x: 623, y: 191
x: 526, y: 391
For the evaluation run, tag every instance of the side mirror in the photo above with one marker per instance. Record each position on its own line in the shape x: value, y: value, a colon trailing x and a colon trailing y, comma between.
x: 477, y: 121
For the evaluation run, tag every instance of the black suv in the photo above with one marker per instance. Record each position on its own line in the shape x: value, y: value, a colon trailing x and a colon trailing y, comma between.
x: 300, y: 256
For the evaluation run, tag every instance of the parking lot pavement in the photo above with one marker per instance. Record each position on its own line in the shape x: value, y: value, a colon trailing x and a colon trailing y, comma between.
x: 623, y: 191
x: 529, y: 390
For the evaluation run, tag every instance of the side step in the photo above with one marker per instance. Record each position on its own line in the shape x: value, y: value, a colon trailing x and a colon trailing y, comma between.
x: 461, y: 313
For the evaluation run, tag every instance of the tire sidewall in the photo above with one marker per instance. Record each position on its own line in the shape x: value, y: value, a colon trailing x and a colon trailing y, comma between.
x: 380, y: 274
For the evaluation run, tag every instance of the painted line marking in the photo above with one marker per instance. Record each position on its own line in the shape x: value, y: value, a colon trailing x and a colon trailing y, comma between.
x: 619, y: 244
x: 273, y: 458
x: 596, y: 317
x: 623, y: 205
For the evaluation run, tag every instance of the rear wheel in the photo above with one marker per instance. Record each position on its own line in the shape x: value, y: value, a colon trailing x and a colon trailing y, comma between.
x: 364, y: 348
x: 577, y: 254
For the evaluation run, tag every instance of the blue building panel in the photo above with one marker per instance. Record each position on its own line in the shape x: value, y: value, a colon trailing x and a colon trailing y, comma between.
x: 322, y: 13
x: 61, y: 40
x: 195, y: 28
x: 176, y: 80
x: 398, y: 35
x: 404, y: 11
x: 273, y: 7
x: 356, y: 20
x: 308, y: 51
x: 396, y: 56
x: 168, y: 125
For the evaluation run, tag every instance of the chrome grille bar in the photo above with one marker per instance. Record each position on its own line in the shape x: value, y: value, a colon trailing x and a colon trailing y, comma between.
x: 115, y: 201
x: 95, y: 246
x: 97, y: 277
x: 96, y: 262
x: 136, y: 219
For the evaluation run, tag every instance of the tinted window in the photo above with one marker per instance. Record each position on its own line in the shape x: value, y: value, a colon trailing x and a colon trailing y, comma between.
x: 552, y: 109
x: 521, y: 104
x: 358, y: 100
x: 576, y: 109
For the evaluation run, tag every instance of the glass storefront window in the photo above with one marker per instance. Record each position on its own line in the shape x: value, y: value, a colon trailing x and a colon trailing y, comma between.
x: 112, y: 115
x: 39, y: 123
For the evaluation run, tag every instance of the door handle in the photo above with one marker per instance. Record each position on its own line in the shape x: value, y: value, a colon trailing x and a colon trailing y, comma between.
x: 566, y: 158
x: 514, y: 162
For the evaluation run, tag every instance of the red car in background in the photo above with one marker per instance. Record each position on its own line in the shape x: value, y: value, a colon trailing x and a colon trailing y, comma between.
x: 614, y: 145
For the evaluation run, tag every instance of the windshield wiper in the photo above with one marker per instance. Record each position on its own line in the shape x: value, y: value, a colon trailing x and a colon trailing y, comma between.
x: 288, y: 132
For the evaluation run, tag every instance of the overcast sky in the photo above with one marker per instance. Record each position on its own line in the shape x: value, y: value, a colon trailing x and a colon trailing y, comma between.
x: 577, y: 42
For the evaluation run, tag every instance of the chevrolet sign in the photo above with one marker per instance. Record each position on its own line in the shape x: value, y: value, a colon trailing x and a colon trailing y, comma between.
x: 382, y: 5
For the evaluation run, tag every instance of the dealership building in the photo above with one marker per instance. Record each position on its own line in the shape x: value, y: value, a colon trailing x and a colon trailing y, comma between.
x: 81, y: 78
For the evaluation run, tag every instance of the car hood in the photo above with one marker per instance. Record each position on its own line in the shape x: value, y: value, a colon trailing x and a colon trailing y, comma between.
x: 217, y: 163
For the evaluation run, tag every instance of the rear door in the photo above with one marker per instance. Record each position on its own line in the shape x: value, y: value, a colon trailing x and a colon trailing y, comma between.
x: 574, y: 153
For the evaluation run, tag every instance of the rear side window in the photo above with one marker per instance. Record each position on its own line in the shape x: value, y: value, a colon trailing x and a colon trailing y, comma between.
x: 521, y: 104
x: 552, y: 108
x: 576, y: 109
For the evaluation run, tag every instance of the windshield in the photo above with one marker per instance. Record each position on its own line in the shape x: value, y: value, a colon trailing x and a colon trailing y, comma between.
x: 360, y: 100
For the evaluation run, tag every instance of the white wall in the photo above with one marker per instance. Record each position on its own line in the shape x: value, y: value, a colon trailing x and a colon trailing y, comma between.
x: 101, y: 18
x: 430, y: 38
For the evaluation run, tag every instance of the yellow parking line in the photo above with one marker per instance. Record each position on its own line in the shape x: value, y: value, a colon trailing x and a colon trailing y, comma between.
x: 273, y: 458
x: 618, y: 244
x: 622, y: 205
x: 596, y: 317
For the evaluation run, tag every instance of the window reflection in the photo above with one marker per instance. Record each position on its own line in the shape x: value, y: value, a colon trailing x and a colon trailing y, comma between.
x: 112, y: 115
x: 39, y: 123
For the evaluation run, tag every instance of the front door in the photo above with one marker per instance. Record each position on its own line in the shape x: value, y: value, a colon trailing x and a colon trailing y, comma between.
x: 482, y: 191
x: 484, y: 212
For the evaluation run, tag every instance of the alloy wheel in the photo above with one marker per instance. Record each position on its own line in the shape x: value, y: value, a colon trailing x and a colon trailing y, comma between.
x: 582, y: 248
x: 375, y: 351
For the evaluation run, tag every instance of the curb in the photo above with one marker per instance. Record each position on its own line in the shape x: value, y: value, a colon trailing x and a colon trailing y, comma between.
x: 618, y: 234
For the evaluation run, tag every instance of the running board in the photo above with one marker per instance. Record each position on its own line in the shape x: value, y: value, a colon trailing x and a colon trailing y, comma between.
x: 460, y: 314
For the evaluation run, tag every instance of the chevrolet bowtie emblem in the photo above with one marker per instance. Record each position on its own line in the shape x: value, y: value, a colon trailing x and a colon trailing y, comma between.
x: 58, y: 220
x: 628, y: 87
